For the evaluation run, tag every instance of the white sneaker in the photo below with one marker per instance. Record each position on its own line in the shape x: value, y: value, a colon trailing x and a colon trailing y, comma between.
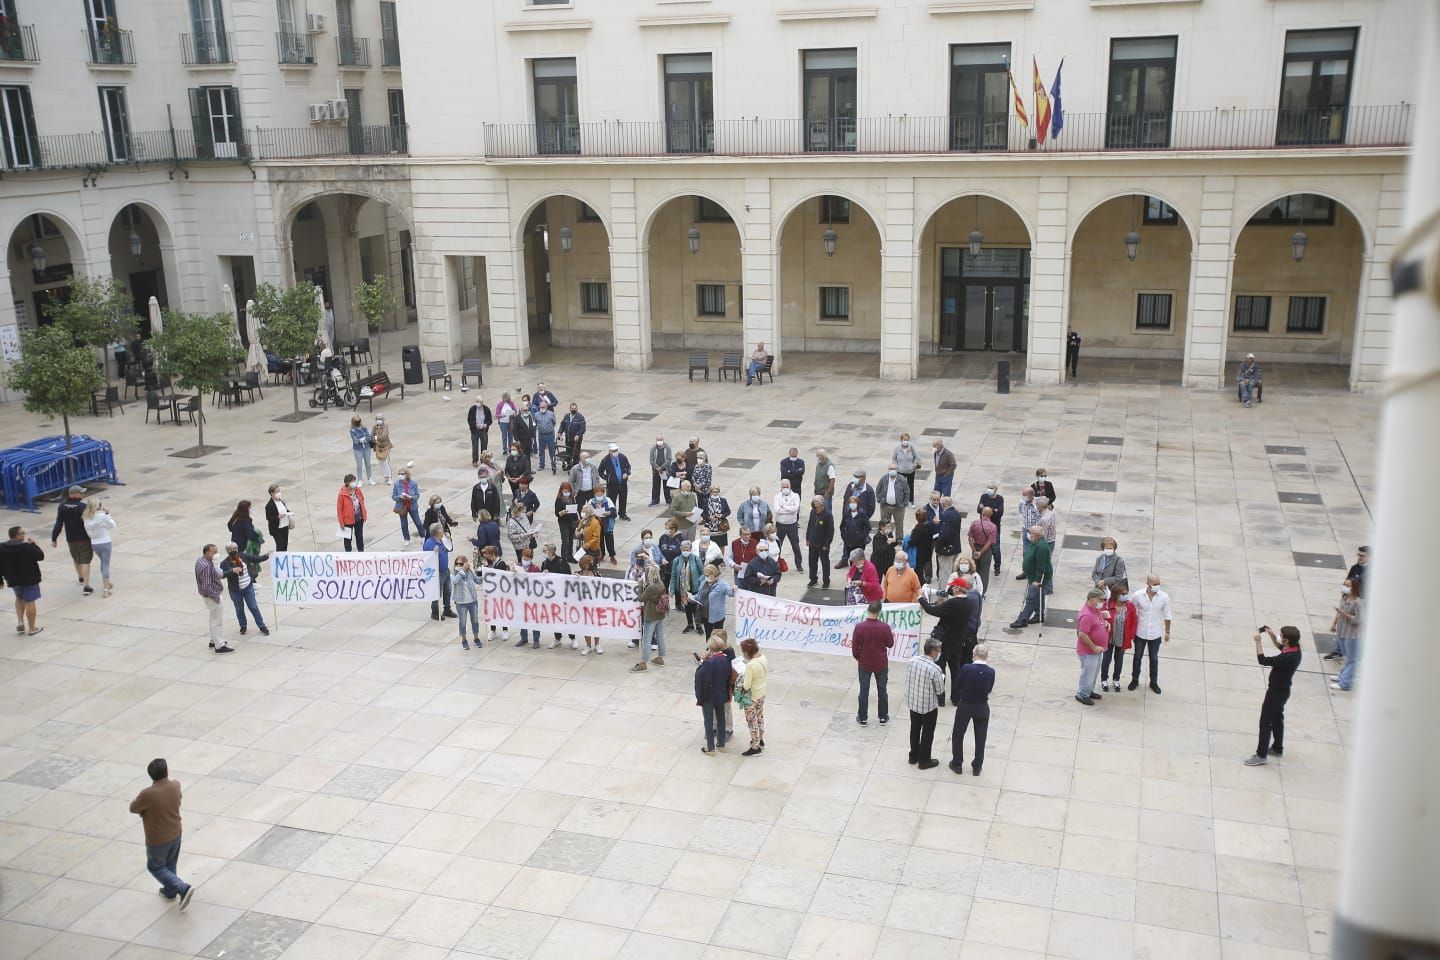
x: 584, y: 651
x: 599, y: 649
x: 554, y: 644
x: 574, y: 644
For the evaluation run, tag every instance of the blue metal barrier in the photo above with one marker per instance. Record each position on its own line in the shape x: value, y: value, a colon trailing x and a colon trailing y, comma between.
x: 34, y: 469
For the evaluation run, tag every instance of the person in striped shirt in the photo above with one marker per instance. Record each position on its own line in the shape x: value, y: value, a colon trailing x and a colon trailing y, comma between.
x: 924, y: 692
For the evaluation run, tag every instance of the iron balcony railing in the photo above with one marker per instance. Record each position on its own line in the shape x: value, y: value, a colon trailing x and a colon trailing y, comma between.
x: 110, y: 47
x: 338, y: 140
x: 17, y: 42
x: 353, y: 51
x: 1183, y: 130
x: 207, y: 48
x: 390, y: 49
x: 295, y: 48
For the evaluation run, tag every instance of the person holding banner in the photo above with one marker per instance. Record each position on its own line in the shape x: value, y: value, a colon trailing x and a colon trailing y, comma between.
x: 586, y: 568
x: 762, y: 574
x: 490, y: 557
x: 350, y: 513
x: 712, y: 692
x: 435, y: 543
x: 526, y: 564
x: 656, y: 601
x: 555, y: 563
x: 711, y: 599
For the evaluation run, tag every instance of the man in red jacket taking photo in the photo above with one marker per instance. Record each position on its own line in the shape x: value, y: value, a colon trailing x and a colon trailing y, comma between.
x: 870, y: 646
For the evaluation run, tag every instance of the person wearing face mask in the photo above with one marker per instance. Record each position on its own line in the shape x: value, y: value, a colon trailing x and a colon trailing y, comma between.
x: 787, y: 520
x: 405, y: 495
x: 892, y: 494
x: 741, y: 552
x: 762, y: 574
x: 487, y: 534
x: 520, y: 529
x: 1043, y: 487
x: 466, y: 584
x: 907, y: 461
x: 1152, y: 607
x: 991, y: 498
x: 485, y: 495
x: 677, y: 472
x: 901, y: 585
x: 862, y: 580
x: 545, y: 434
x: 380, y: 443
x: 517, y: 465
x: 825, y: 475
x: 944, y: 475
x: 435, y: 513
x: 660, y: 457
x: 702, y: 475
x: 920, y: 545
x: 1346, y: 627
x: 479, y: 418
x: 1092, y: 636
x: 1029, y: 517
x: 655, y: 604
x: 527, y: 498
x: 670, y: 545
x: 604, y: 508
x: 350, y: 513
x: 884, y: 548
x: 583, y: 477
x: 683, y: 508
x: 438, y: 543
x: 708, y: 549
x: 955, y: 610
x: 360, y: 447
x: 1035, y: 568
x: 870, y: 645
x: 615, y: 471
x: 691, y: 453
x: 862, y: 492
x: 687, y: 575
x: 710, y: 599
x: 819, y: 534
x: 854, y: 531
x: 235, y: 568
x: 1109, y: 565
x: 715, y: 511
x: 553, y: 562
x: 792, y: 468
x: 754, y: 513
x: 572, y: 428
x: 947, y: 540
x: 983, y: 537
x: 505, y: 412
x: 1123, y: 622
x: 648, y: 545
x: 278, y: 519
x: 567, y: 515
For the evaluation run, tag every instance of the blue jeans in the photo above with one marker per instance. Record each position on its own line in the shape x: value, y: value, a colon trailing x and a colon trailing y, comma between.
x: 942, y: 485
x: 246, y: 598
x: 1089, y: 670
x: 1352, y: 660
x: 362, y: 462
x: 414, y: 517
x: 471, y: 610
x: 1032, y: 603
x: 1247, y: 390
x: 546, y: 441
x: 161, y: 860
x: 505, y: 436
x: 653, y: 632
x: 714, y: 714
x: 753, y: 370
x: 881, y: 678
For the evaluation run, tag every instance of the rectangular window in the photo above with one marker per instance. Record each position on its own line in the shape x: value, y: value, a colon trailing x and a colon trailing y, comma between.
x: 557, y: 106
x: 21, y: 144
x: 1297, y: 209
x: 116, y: 119
x: 834, y: 209
x: 395, y: 101
x: 1307, y: 315
x: 979, y: 96
x: 1252, y: 314
x: 1315, y: 86
x: 389, y: 35
x: 466, y: 293
x: 584, y: 213
x: 222, y: 107
x: 594, y: 297
x: 1142, y: 93
x: 1152, y: 311
x: 708, y: 211
x: 829, y: 94
x: 210, y: 44
x: 835, y: 304
x: 1160, y: 212
x: 689, y: 104
x: 710, y: 299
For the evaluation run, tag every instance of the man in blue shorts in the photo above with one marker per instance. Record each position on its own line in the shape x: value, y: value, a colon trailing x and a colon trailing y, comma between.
x: 20, y: 570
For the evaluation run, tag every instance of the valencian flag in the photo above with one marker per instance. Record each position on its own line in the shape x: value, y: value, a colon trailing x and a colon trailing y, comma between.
x: 1019, y: 101
x: 1057, y: 124
x: 1042, y: 105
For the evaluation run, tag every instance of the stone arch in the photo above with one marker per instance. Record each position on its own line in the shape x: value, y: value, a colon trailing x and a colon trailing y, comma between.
x: 1192, y: 226
x: 855, y: 201
x: 16, y: 268
x: 662, y: 202
x: 518, y: 231
x: 921, y: 222
x: 692, y: 300
x: 1366, y: 231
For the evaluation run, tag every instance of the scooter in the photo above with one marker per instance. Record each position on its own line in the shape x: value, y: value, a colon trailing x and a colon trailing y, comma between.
x: 334, y: 389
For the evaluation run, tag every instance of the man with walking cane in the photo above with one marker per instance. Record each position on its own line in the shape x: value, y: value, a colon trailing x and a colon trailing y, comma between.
x: 1036, y: 569
x: 1272, y: 711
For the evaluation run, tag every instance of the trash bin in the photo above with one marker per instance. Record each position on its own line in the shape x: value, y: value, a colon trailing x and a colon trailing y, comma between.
x: 410, y: 363
x: 1002, y: 376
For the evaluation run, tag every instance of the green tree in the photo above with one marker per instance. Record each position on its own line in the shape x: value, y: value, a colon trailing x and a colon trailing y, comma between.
x: 376, y: 301
x: 197, y: 351
x: 288, y: 322
x: 57, y: 376
x: 99, y: 311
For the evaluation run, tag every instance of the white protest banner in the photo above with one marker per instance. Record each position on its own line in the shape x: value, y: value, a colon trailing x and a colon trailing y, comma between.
x: 781, y: 624
x: 355, y: 577
x: 584, y: 606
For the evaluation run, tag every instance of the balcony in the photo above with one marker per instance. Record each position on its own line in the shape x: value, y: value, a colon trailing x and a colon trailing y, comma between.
x: 209, y: 49
x: 110, y: 47
x: 295, y: 49
x: 390, y: 51
x: 94, y: 150
x: 1179, y: 131
x: 354, y: 52
x: 329, y: 141
x: 17, y: 43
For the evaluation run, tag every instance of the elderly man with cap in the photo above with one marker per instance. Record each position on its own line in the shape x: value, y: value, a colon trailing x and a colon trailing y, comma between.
x: 955, y: 610
x: 1248, y: 378
x: 615, y: 471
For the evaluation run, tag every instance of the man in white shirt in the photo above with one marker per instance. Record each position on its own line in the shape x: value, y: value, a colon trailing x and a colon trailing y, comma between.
x: 1151, y: 629
x: 787, y: 521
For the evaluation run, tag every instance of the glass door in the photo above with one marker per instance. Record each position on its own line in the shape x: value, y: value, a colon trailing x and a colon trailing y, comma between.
x: 977, y: 317
x: 208, y: 20
x: 355, y: 124
x: 689, y: 104
x: 1142, y: 91
x: 1315, y: 86
x: 557, y: 109
x: 979, y: 96
x: 830, y: 98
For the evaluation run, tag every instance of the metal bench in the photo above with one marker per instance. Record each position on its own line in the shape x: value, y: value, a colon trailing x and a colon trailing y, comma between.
x: 472, y: 368
x: 435, y: 370
x: 375, y: 385
x: 731, y: 363
x: 699, y: 361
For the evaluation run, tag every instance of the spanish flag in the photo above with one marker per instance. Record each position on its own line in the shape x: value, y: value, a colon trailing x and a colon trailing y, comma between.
x: 1019, y: 101
x: 1042, y: 105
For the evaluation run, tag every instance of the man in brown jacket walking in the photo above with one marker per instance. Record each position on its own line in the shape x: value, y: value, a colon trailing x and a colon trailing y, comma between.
x: 159, y: 808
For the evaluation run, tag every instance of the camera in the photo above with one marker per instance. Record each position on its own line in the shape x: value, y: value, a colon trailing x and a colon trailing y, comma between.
x: 1262, y: 629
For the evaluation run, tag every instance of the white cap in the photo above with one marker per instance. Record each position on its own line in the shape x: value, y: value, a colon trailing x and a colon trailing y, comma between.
x: 614, y: 446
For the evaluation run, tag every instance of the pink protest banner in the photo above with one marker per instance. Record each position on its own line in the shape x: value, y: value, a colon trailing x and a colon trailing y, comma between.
x: 557, y: 602
x: 781, y: 624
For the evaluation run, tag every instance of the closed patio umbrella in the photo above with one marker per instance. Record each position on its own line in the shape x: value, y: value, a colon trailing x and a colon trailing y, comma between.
x: 322, y: 332
x: 157, y: 325
x: 255, y: 356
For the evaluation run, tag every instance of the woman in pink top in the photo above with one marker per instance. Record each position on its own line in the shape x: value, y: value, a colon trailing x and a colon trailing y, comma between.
x: 1092, y: 636
x: 863, y: 582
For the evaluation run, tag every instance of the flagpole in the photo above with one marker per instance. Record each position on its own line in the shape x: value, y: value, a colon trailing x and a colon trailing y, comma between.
x: 1391, y: 844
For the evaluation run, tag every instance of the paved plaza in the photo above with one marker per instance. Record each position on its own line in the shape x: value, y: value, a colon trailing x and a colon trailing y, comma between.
x: 358, y: 787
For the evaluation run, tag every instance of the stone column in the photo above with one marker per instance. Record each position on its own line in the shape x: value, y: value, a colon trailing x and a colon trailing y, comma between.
x: 629, y: 283
x: 1210, y: 276
x: 759, y: 273
x: 7, y: 317
x: 509, y: 318
x: 337, y: 262
x: 1375, y: 310
x: 1044, y: 362
x: 899, y: 338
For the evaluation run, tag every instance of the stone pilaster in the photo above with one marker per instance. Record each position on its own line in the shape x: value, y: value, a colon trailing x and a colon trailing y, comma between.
x: 1046, y: 337
x: 1211, y: 272
x: 899, y: 292
x: 629, y: 281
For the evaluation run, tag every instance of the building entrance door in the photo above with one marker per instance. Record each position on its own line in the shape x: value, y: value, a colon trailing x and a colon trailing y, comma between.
x: 984, y: 299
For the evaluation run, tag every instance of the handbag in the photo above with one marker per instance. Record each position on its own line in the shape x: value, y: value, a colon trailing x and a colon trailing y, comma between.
x: 723, y: 526
x: 742, y: 697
